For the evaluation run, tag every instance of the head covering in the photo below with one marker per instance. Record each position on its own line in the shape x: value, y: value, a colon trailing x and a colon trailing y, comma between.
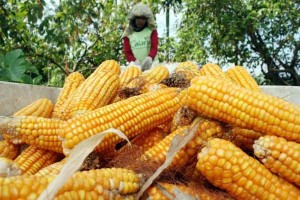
x: 139, y: 10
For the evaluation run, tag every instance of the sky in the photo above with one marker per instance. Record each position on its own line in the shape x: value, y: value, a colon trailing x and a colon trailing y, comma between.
x: 161, y: 23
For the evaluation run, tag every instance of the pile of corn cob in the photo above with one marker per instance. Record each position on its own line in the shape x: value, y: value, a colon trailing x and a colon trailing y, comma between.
x: 245, y: 143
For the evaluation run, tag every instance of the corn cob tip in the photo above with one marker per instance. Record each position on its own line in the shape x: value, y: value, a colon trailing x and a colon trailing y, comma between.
x: 8, y: 127
x: 9, y: 168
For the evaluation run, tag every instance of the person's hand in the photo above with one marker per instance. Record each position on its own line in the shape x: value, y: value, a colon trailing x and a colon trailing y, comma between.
x: 146, y: 64
x: 134, y: 63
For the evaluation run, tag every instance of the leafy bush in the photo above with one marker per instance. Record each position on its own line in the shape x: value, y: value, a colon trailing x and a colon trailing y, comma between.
x: 15, y: 68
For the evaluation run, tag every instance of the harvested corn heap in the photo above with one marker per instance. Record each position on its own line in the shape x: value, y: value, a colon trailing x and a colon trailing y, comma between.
x: 190, y: 143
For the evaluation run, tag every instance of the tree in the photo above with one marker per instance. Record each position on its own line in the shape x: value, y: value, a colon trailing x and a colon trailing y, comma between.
x: 252, y: 33
x: 71, y: 36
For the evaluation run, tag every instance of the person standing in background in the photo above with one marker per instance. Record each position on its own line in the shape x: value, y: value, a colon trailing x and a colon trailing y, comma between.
x: 140, y: 38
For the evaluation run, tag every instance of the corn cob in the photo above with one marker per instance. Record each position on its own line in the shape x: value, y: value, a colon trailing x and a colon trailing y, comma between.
x: 167, y: 191
x: 36, y: 131
x: 241, y: 107
x: 128, y: 74
x: 108, y: 66
x: 158, y: 152
x: 8, y: 150
x: 41, y: 108
x: 148, y: 139
x: 242, y: 77
x: 280, y: 156
x: 229, y: 168
x: 187, y: 65
x: 150, y: 87
x: 94, y: 184
x: 132, y: 116
x: 52, y: 169
x: 140, y: 83
x: 154, y: 75
x: 184, y: 116
x: 32, y: 159
x: 214, y: 70
x: 96, y: 91
x: 72, y: 82
x: 243, y: 138
x: 205, y: 130
x: 188, y: 69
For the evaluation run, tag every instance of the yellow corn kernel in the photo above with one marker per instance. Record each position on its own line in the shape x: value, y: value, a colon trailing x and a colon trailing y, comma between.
x: 148, y: 139
x: 36, y: 131
x: 8, y: 150
x: 32, y: 159
x: 96, y: 91
x: 212, y: 69
x: 154, y: 75
x: 101, y: 183
x: 72, y: 82
x: 108, y: 66
x: 41, y: 108
x: 141, y: 83
x: 188, y: 69
x: 184, y: 116
x: 128, y: 74
x: 132, y: 116
x: 279, y: 156
x: 242, y: 77
x: 205, y: 130
x: 229, y: 168
x: 52, y: 169
x: 241, y: 107
x: 243, y: 138
x: 166, y: 191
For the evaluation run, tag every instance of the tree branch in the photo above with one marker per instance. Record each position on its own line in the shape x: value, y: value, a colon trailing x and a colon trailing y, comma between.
x: 295, y: 55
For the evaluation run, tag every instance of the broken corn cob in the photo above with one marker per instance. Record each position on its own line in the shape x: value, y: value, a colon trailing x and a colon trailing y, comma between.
x: 241, y: 107
x: 228, y: 167
x: 280, y: 156
x: 132, y: 116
